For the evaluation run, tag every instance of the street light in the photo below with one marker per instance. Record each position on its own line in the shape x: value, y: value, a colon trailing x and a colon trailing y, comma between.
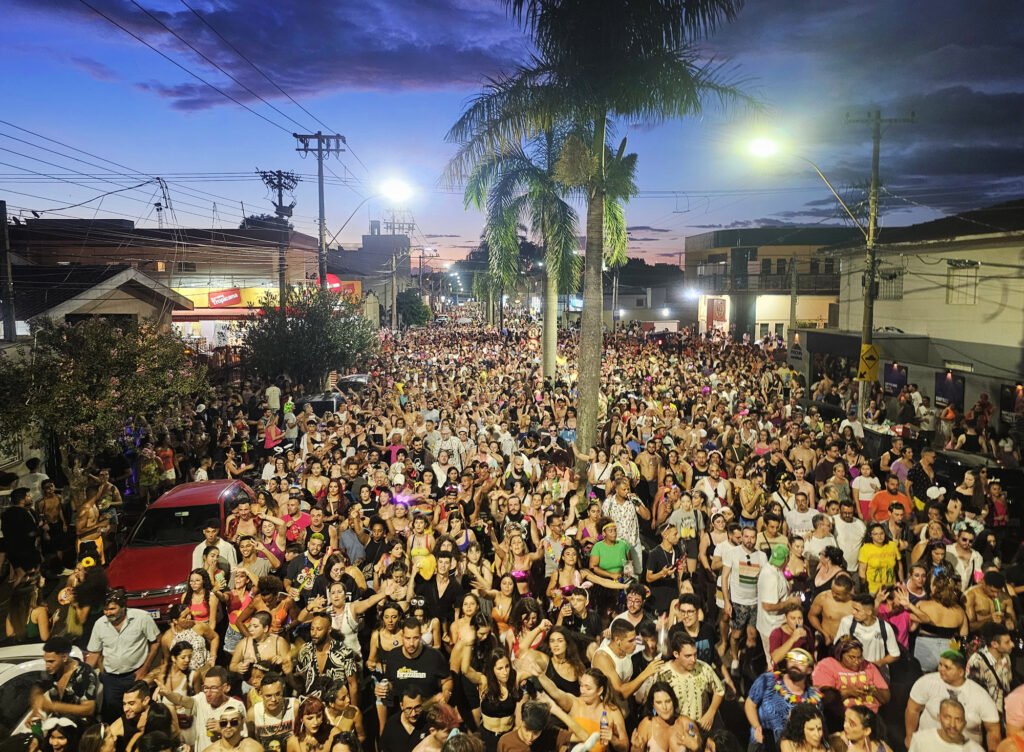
x: 765, y: 147
x: 393, y: 190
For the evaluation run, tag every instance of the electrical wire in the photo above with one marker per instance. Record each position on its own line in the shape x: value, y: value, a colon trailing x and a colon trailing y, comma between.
x: 171, y: 60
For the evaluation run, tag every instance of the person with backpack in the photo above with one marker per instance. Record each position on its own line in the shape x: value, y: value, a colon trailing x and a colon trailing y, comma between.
x: 876, y: 636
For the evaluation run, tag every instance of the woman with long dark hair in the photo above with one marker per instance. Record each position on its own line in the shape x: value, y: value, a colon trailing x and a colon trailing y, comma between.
x: 201, y: 598
x: 805, y: 731
x: 312, y: 730
x: 474, y: 641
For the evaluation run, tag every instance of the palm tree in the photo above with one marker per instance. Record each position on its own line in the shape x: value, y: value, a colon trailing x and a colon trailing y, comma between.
x: 597, y: 61
x: 517, y: 186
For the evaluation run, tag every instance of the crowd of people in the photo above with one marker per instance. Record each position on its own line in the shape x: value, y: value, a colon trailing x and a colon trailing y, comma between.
x: 438, y: 563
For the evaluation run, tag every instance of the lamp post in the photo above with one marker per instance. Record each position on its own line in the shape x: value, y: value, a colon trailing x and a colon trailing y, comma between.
x: 763, y: 147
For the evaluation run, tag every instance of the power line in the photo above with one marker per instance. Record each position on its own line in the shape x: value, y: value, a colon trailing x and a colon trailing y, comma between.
x: 174, y: 62
x: 215, y: 65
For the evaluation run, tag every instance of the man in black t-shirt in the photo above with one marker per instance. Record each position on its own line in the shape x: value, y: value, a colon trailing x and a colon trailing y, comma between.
x: 404, y: 730
x: 664, y: 568
x: 442, y: 593
x: 418, y: 666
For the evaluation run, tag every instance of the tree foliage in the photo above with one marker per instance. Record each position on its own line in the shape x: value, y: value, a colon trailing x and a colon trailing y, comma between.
x: 322, y: 331
x: 82, y: 383
x: 412, y: 309
x: 264, y: 222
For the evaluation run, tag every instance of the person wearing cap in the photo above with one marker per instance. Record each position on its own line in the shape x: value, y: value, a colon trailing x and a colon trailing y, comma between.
x: 924, y: 705
x: 74, y: 688
x: 123, y: 643
x: 773, y: 695
x: 773, y: 597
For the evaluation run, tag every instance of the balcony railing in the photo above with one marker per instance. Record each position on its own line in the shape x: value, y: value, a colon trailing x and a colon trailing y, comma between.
x: 774, y: 283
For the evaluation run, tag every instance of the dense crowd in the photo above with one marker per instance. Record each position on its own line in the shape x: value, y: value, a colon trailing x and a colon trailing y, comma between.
x: 438, y: 564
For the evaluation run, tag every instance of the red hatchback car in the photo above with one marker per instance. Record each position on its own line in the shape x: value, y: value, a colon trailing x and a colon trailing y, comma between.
x: 154, y: 564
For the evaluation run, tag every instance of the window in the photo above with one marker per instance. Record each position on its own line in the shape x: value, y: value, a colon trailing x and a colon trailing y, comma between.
x: 780, y: 266
x: 766, y: 266
x: 173, y: 526
x: 815, y: 266
x: 763, y: 331
x: 640, y: 302
x: 890, y: 284
x: 780, y: 329
x: 161, y: 266
x: 962, y: 285
x: 185, y: 266
x: 830, y: 266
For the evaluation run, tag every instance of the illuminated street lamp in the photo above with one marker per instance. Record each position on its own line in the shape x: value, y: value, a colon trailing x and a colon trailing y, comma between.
x: 766, y: 148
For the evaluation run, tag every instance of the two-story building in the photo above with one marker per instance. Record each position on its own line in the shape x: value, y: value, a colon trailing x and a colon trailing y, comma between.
x: 948, y: 312
x: 744, y: 279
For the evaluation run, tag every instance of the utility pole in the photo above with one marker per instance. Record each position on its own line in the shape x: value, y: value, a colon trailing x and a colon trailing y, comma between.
x: 792, y: 300
x: 876, y: 121
x: 281, y: 181
x: 6, y: 278
x: 325, y: 144
x: 394, y: 291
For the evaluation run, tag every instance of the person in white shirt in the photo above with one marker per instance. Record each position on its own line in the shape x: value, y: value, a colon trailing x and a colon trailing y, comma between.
x: 741, y: 567
x: 849, y: 532
x: 877, y: 636
x: 33, y: 481
x: 208, y: 705
x: 273, y: 395
x: 948, y: 736
x: 865, y: 486
x: 855, y: 425
x: 801, y: 519
x: 211, y: 537
x: 924, y: 708
x: 773, y: 597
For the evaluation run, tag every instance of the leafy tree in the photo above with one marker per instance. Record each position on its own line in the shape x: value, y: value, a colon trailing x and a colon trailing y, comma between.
x: 518, y: 185
x: 597, y: 62
x: 412, y: 309
x: 81, y: 384
x: 264, y: 222
x: 321, y: 331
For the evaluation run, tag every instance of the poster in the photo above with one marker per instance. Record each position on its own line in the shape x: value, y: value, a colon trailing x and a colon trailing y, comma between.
x: 1011, y: 403
x: 949, y: 390
x: 894, y: 379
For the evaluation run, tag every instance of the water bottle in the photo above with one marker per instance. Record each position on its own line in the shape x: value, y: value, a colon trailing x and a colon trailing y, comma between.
x: 604, y: 721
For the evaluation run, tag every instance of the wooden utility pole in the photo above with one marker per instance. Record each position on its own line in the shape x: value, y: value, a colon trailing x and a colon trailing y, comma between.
x: 325, y: 144
x: 6, y: 278
x: 876, y: 121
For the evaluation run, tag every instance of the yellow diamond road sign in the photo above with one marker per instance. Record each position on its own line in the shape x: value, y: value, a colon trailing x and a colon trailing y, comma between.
x: 867, y: 369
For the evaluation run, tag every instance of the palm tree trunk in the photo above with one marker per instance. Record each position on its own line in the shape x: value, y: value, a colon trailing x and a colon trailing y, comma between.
x: 592, y: 317
x: 550, y: 338
x: 490, y: 304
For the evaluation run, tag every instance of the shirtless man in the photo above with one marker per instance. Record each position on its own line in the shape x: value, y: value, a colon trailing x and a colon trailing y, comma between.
x: 51, y: 514
x: 649, y: 462
x: 988, y: 601
x: 803, y: 453
x: 242, y: 522
x: 804, y: 485
x: 829, y: 608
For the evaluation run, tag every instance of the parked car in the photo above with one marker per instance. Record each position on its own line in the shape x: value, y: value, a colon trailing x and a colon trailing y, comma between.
x: 154, y: 562
x: 21, y: 666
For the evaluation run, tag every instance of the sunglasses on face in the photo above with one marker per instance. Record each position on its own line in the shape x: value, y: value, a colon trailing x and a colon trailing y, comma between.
x: 233, y: 722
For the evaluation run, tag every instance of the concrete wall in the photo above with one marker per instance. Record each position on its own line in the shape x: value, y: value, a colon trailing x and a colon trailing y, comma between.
x: 774, y: 309
x: 995, y: 318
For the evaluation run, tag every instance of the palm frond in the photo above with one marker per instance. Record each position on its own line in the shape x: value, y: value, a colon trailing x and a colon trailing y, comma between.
x: 616, y: 240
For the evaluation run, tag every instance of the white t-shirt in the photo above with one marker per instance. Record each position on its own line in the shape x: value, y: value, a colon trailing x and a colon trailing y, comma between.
x: 865, y: 488
x: 875, y: 647
x: 744, y: 570
x: 801, y: 523
x: 928, y: 740
x: 813, y: 547
x: 273, y: 395
x: 850, y: 537
x: 855, y: 425
x: 979, y: 706
x: 772, y: 587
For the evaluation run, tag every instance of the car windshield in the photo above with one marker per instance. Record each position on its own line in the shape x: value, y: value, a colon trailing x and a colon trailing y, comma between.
x: 172, y: 526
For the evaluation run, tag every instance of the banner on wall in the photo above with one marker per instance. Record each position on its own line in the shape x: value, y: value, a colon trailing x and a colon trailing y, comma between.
x: 894, y: 379
x: 949, y: 390
x: 1011, y: 403
x: 224, y: 298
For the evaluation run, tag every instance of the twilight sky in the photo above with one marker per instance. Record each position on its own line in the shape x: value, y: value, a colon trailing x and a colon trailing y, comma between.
x: 392, y: 76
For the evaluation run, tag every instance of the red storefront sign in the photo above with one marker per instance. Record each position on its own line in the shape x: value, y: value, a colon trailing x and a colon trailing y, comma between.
x: 225, y: 298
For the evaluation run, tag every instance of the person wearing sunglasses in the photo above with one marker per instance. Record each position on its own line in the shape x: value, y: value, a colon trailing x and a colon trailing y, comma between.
x: 208, y: 706
x: 230, y: 727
